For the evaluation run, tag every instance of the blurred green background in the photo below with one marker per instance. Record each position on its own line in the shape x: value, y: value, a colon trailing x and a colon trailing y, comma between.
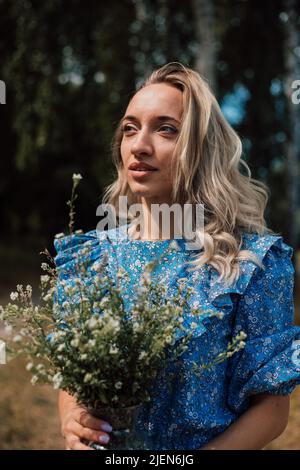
x: 70, y: 69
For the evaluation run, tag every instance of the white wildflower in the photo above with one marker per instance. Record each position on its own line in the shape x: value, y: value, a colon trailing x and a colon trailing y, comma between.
x: 76, y: 177
x: 34, y: 379
x: 44, y: 266
x: 104, y: 301
x: 113, y: 350
x: 57, y: 380
x: 59, y: 235
x: 87, y: 378
x: 142, y: 354
x: 17, y: 338
x: 75, y: 342
x: 29, y: 289
x: 114, y: 324
x: 14, y: 295
x: 242, y: 335
x: 47, y: 297
x: 91, y: 342
x: 118, y: 385
x: 45, y: 278
x: 92, y: 322
x: 61, y: 347
x: 29, y: 366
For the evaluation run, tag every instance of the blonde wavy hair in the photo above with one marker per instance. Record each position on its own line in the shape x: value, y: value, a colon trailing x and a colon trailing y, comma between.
x: 207, y: 171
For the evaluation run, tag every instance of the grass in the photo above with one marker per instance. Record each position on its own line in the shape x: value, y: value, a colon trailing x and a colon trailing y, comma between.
x: 29, y: 417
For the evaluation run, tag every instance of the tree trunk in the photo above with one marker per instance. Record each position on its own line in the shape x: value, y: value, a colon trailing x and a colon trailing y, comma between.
x: 205, y: 63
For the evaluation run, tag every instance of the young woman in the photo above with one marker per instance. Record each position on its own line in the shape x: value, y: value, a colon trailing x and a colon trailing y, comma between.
x: 174, y: 125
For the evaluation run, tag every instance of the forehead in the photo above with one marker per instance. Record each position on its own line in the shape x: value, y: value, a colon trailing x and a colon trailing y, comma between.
x: 159, y: 98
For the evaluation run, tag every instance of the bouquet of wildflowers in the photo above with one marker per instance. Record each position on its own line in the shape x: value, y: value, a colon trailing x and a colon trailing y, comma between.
x: 91, y: 346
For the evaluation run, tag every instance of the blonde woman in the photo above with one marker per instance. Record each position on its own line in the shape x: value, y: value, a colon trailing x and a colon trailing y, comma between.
x: 173, y: 145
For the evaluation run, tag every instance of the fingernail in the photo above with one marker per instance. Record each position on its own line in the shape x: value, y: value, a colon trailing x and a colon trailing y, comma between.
x: 104, y: 439
x: 106, y: 427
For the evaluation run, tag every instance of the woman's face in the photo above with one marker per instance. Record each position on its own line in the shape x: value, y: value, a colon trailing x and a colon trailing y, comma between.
x: 150, y: 129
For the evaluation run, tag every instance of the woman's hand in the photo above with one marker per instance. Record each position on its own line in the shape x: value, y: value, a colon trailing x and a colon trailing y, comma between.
x: 77, y: 424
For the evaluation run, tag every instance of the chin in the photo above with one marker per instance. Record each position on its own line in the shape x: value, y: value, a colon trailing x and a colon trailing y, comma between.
x: 141, y: 190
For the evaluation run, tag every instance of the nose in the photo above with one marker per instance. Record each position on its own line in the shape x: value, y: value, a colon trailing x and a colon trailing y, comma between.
x: 141, y: 144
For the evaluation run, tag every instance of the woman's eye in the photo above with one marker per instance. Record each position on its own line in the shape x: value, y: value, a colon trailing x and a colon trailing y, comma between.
x: 126, y: 128
x: 169, y: 127
x: 130, y: 128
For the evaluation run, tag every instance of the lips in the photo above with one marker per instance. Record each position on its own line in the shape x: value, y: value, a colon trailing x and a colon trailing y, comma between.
x: 139, y: 166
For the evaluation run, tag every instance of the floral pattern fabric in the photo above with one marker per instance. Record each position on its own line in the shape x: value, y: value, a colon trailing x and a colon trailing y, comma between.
x: 260, y: 302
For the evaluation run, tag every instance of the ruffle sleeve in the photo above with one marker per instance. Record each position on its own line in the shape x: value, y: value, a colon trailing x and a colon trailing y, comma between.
x: 270, y: 361
x: 72, y: 253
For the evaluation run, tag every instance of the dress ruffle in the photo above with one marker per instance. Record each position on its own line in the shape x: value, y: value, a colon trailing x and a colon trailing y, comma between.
x: 219, y: 294
x: 69, y: 251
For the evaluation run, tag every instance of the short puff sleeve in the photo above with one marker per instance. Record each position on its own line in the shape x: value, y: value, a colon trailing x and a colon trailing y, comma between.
x: 72, y: 253
x: 270, y: 361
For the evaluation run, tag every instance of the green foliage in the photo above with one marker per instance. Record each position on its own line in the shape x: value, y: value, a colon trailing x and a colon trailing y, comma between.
x: 70, y: 71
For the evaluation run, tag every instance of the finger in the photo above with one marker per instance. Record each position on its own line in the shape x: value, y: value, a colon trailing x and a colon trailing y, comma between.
x: 75, y: 430
x: 92, y: 435
x: 75, y: 444
x: 79, y: 446
x: 89, y: 421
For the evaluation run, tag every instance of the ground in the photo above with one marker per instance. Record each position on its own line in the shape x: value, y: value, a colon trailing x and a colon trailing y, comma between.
x: 29, y: 417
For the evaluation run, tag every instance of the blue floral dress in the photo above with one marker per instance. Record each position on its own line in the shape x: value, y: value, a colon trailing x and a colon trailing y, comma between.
x: 260, y: 303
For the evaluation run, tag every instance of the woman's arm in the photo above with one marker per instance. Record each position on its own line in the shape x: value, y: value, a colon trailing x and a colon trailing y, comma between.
x: 265, y: 420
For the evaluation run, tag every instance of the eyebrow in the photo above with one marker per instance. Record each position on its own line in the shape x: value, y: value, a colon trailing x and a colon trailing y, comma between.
x: 157, y: 118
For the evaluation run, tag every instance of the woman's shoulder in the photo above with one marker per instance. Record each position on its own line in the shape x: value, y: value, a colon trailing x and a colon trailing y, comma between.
x: 273, y: 252
x: 275, y: 261
x: 262, y: 244
x: 81, y: 247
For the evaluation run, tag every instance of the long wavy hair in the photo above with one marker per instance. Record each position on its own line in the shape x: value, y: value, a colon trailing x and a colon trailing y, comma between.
x: 207, y: 170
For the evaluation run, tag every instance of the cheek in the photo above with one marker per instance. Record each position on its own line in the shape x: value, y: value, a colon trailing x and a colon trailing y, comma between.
x: 167, y: 164
x: 122, y: 152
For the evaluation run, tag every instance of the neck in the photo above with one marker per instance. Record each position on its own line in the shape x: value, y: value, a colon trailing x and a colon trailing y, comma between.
x: 155, y: 227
